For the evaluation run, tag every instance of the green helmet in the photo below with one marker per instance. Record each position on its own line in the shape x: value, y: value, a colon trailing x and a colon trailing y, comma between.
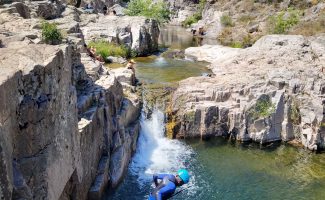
x: 184, y: 175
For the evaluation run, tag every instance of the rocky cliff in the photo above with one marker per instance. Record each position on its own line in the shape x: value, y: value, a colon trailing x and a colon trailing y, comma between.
x: 241, y: 23
x: 137, y: 33
x: 271, y: 91
x: 68, y: 126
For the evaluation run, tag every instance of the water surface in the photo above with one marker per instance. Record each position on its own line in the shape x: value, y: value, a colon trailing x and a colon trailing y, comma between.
x: 223, y: 169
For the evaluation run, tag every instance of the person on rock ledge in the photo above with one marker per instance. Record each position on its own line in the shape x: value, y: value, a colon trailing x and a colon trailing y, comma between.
x: 167, y: 186
x: 130, y: 65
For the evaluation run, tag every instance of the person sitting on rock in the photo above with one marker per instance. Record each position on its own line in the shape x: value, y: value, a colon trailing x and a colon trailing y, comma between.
x: 201, y: 31
x: 130, y: 65
x: 167, y: 186
x: 193, y: 31
x: 98, y: 57
x: 105, y: 10
x: 91, y: 51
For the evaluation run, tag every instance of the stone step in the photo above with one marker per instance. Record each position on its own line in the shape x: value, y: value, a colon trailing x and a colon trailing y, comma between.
x: 101, y: 181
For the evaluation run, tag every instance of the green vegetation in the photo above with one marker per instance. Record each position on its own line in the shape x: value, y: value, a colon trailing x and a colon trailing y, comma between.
x: 106, y: 49
x: 226, y: 39
x: 158, y: 10
x: 295, y: 113
x: 190, y: 116
x: 262, y: 109
x: 50, y: 33
x: 196, y: 17
x: 226, y: 20
x: 192, y: 20
x: 281, y: 23
x: 236, y: 45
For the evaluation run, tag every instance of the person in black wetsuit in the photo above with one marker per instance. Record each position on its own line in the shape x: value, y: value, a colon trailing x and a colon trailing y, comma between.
x: 105, y: 10
x: 167, y: 186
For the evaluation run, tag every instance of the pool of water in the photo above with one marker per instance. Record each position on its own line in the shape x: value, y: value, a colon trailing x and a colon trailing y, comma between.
x: 229, y: 170
x: 157, y: 69
x: 222, y: 169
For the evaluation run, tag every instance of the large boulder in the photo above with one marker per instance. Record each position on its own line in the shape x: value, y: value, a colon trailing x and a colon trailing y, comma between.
x: 137, y: 33
x: 210, y: 22
x: 271, y: 91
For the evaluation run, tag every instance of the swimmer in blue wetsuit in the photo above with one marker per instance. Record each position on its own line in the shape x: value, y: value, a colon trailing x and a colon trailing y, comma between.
x: 167, y: 186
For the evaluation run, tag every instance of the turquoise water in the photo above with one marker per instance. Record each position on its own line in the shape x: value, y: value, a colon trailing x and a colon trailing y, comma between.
x: 228, y: 170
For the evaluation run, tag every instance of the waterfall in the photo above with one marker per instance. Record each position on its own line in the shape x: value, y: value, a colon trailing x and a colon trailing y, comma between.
x: 156, y: 153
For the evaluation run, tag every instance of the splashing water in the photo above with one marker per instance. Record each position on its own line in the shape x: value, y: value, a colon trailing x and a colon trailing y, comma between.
x: 156, y: 153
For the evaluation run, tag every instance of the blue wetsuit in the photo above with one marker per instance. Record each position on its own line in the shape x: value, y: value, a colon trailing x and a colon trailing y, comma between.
x: 165, y: 188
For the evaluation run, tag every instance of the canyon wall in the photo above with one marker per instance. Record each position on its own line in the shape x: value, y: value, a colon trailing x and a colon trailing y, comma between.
x: 68, y: 131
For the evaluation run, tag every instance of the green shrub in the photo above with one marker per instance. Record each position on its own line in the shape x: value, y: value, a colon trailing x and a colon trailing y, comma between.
x: 192, y: 19
x: 106, y: 49
x: 281, y: 23
x: 158, y: 10
x: 50, y: 33
x: 263, y: 108
x: 196, y: 17
x: 226, y: 20
x: 295, y: 113
x: 237, y: 45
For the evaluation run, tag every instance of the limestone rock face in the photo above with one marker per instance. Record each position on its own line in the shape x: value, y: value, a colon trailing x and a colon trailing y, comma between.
x: 68, y: 127
x: 137, y: 33
x: 181, y: 9
x: 42, y: 129
x: 210, y: 21
x: 58, y: 128
x: 99, y: 4
x: 60, y: 113
x: 271, y: 91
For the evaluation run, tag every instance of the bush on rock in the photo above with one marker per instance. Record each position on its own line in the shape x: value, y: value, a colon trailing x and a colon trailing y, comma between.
x: 106, y: 49
x: 51, y: 34
x: 156, y: 10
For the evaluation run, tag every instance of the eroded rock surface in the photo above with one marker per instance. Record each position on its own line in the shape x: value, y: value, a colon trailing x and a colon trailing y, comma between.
x: 137, y: 33
x: 271, y: 91
x: 68, y: 126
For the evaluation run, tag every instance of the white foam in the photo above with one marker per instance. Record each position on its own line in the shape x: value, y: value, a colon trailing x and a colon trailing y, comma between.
x: 156, y: 153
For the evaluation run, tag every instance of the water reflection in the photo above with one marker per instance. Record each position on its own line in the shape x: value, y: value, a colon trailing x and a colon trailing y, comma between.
x: 176, y: 37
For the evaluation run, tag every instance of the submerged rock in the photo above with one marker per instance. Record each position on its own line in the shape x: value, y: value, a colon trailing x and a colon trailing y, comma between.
x: 174, y: 54
x: 270, y: 91
x: 112, y: 59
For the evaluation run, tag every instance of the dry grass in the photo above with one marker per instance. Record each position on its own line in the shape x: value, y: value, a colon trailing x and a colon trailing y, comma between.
x: 308, y: 28
x: 246, y: 19
x: 273, y: 19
